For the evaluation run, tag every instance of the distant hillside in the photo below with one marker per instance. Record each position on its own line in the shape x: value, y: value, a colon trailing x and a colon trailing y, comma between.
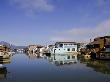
x: 11, y: 46
x: 5, y: 43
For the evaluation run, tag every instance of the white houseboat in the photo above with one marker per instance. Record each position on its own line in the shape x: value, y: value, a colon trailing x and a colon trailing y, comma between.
x: 65, y: 48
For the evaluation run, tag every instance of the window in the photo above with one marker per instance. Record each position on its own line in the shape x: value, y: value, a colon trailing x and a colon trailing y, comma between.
x: 68, y: 57
x: 73, y: 49
x: 68, y: 49
x: 61, y: 45
x: 96, y: 45
x: 73, y: 57
x: 56, y: 46
x: 107, y: 46
x: 89, y: 46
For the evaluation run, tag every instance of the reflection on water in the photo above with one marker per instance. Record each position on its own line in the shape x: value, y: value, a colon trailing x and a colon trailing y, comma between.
x: 5, y: 59
x: 53, y: 68
x: 98, y: 65
x: 34, y: 55
x: 62, y: 59
x: 3, y: 69
x: 3, y: 72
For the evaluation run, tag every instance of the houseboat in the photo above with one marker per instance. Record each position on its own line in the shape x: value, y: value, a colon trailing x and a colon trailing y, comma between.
x: 5, y: 52
x: 99, y: 48
x: 34, y: 48
x: 64, y: 48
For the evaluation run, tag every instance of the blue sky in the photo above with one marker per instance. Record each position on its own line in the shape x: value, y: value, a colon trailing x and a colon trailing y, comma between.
x: 24, y: 22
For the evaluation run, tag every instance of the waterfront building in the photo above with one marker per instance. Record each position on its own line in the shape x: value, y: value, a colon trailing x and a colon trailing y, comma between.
x: 65, y: 48
x: 50, y: 48
x: 4, y: 48
x: 43, y: 50
x: 81, y: 46
x: 100, y: 47
x: 34, y: 48
x: 5, y: 52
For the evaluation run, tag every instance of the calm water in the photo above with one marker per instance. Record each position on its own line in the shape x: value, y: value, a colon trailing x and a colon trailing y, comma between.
x: 30, y: 68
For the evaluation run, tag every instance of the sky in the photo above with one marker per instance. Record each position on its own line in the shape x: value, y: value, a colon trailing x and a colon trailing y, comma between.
x: 24, y: 22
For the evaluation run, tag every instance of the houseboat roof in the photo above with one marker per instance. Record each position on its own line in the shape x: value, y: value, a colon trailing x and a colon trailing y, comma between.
x: 67, y: 42
x: 94, y: 42
x: 97, y: 38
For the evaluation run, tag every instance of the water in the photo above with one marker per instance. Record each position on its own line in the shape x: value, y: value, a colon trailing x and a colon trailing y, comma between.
x: 54, y: 68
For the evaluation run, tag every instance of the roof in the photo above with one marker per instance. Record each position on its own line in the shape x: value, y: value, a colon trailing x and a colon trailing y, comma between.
x: 66, y: 42
x: 101, y: 37
x: 94, y: 42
